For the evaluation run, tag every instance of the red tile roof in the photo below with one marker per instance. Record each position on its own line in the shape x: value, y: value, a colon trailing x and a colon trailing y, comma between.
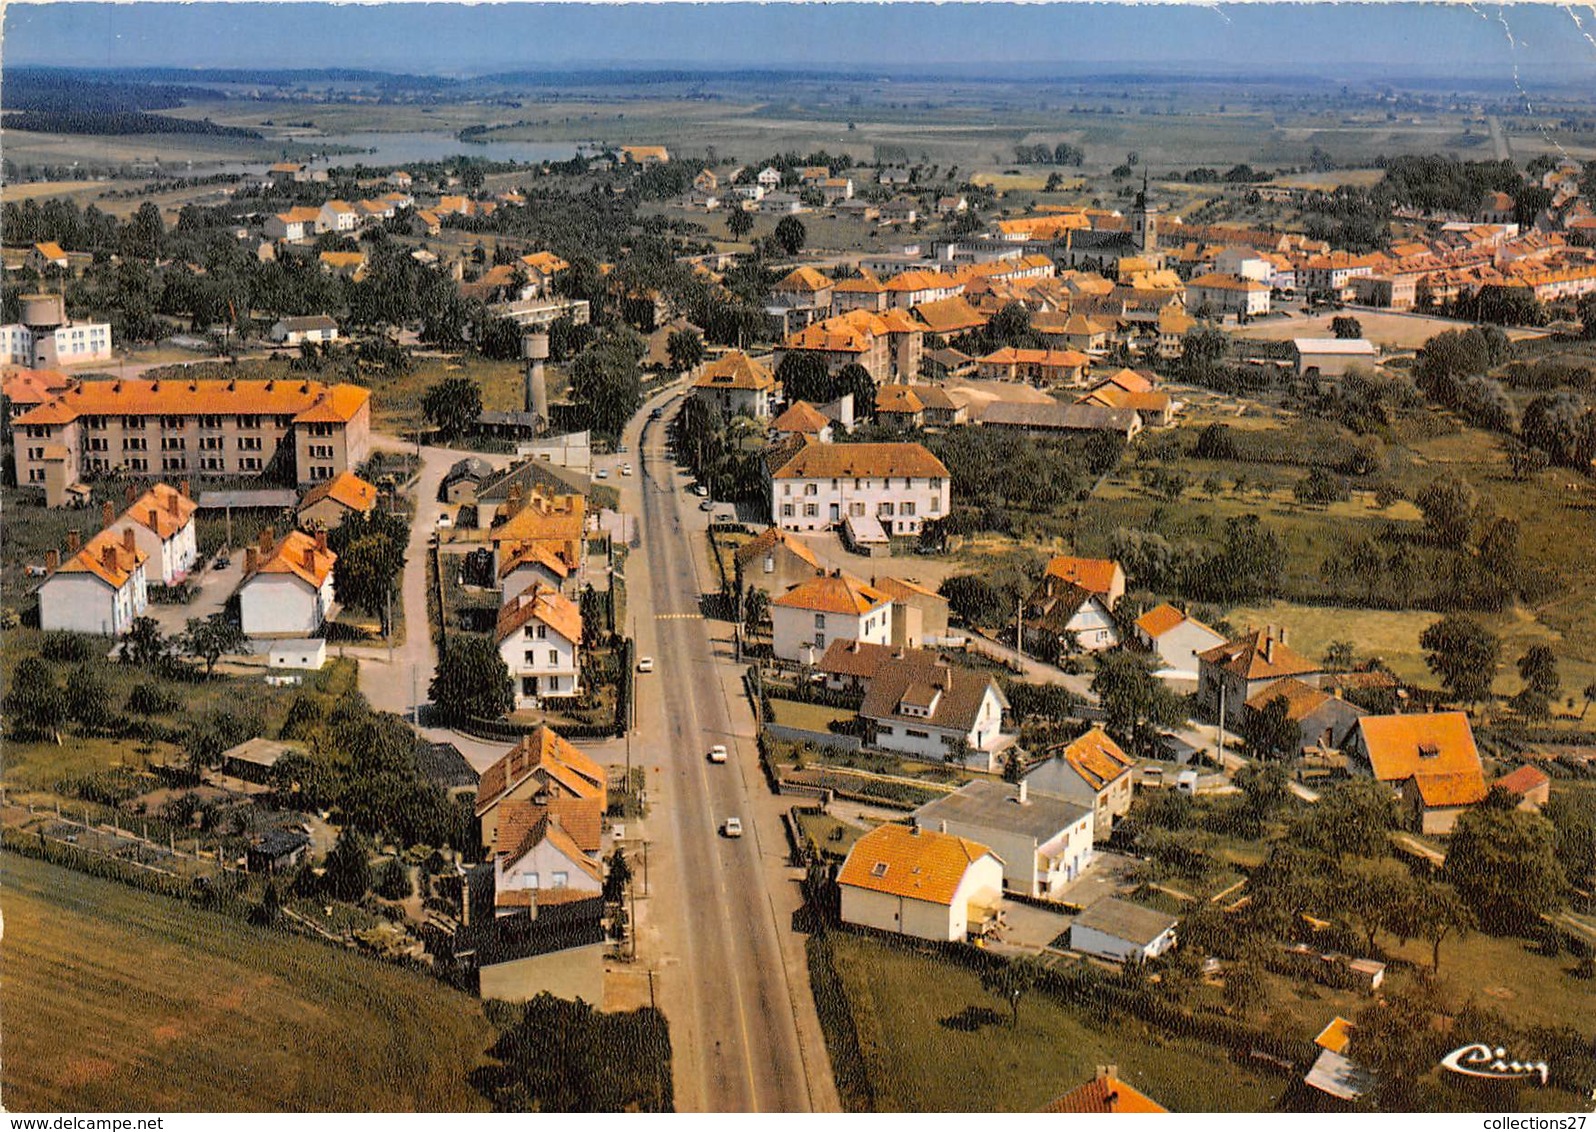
x: 913, y: 863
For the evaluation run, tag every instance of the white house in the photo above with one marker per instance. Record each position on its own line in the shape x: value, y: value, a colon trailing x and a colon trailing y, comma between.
x: 1244, y: 263
x: 541, y: 859
x: 46, y: 347
x: 738, y: 386
x: 1227, y: 294
x: 919, y: 883
x: 769, y: 178
x: 162, y: 521
x: 539, y: 635
x: 287, y: 589
x: 935, y: 713
x: 812, y: 614
x: 1122, y: 932
x: 99, y: 589
x: 1067, y: 618
x: 530, y: 564
x: 1176, y: 639
x: 1044, y: 842
x: 337, y: 216
x: 295, y: 224
x: 898, y: 484
x: 1091, y: 771
x: 309, y: 654
x: 310, y: 328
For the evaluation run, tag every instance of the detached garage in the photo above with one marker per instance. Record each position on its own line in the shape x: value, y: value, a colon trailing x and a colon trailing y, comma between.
x: 1122, y: 932
x: 1332, y: 357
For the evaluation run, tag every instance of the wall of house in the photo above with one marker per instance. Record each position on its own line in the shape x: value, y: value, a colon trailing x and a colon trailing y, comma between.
x: 1179, y: 647
x: 1093, y: 627
x: 922, y: 740
x: 82, y: 603
x: 575, y: 973
x: 281, y: 605
x: 552, y: 660
x: 1064, y: 856
x: 173, y: 557
x: 900, y: 503
x: 794, y: 630
x: 1094, y: 942
x: 515, y: 583
x: 543, y: 866
x: 1021, y: 871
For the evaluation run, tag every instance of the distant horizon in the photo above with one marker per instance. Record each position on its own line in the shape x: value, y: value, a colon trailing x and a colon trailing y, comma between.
x: 1532, y: 45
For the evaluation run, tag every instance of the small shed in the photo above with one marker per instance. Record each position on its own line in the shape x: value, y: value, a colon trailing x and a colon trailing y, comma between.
x: 308, y: 654
x: 276, y: 850
x: 1332, y: 357
x: 1122, y: 932
x: 865, y: 535
x: 253, y: 759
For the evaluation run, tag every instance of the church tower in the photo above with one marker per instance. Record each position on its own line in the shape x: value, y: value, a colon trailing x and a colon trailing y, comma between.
x: 1144, y: 222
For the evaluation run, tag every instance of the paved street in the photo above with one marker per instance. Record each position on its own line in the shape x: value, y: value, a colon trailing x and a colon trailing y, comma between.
x: 735, y: 987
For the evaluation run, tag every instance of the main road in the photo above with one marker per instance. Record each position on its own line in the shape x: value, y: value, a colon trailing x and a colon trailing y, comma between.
x: 732, y: 981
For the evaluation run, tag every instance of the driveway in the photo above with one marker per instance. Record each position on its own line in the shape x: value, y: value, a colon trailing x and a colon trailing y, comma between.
x: 1032, y: 929
x: 215, y: 588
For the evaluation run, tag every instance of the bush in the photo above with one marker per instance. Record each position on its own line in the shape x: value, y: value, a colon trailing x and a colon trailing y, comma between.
x: 393, y: 880
x: 152, y: 699
x: 72, y: 648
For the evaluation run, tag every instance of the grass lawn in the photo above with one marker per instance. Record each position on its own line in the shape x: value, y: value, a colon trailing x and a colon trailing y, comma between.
x: 916, y: 1061
x: 119, y: 1000
x: 810, y: 717
x: 834, y: 837
x: 1511, y: 976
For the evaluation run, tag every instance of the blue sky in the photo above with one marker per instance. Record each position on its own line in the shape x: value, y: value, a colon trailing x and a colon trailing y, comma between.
x: 1545, y: 41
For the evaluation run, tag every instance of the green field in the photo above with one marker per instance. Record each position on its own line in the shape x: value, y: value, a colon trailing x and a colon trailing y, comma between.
x: 916, y: 1061
x: 116, y: 1000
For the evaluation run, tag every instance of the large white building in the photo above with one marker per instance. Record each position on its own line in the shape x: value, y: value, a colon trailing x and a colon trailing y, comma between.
x: 539, y: 635
x: 100, y: 587
x: 1044, y: 842
x: 46, y: 338
x: 287, y: 589
x: 920, y: 883
x: 1177, y: 639
x: 738, y: 386
x: 899, y: 485
x: 1227, y: 294
x: 812, y: 614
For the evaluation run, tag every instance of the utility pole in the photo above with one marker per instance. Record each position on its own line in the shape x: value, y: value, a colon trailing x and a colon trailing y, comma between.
x: 415, y: 698
x: 1220, y: 754
x: 645, y: 868
x: 387, y: 622
x: 632, y: 890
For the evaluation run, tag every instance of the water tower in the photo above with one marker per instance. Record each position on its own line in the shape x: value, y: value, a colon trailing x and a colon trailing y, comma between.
x: 535, y: 351
x: 43, y: 315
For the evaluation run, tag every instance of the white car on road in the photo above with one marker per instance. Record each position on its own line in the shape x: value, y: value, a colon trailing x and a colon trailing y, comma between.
x: 645, y: 664
x: 717, y: 753
x: 733, y: 827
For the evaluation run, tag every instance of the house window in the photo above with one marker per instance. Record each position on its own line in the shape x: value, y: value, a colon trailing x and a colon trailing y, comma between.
x: 913, y: 734
x: 820, y: 621
x: 249, y: 444
x: 811, y: 489
x: 561, y: 879
x: 554, y: 657
x: 879, y: 869
x: 811, y: 510
x: 531, y: 880
x: 554, y: 683
x: 786, y: 510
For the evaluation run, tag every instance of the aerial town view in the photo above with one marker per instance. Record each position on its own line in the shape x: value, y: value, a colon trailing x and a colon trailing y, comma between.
x: 798, y: 558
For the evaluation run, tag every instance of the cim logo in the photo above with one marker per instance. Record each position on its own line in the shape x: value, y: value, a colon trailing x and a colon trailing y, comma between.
x: 1481, y: 1060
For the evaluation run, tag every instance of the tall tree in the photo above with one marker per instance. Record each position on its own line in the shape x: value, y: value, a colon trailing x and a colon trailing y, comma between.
x: 1448, y: 504
x: 1504, y: 864
x: 1464, y: 654
x: 790, y: 234
x: 1012, y: 980
x: 686, y: 349
x: 35, y: 703
x: 453, y: 405
x: 211, y: 638
x: 1538, y: 669
x: 348, y: 875
x: 606, y: 385
x: 1137, y: 704
x: 739, y: 223
x: 471, y: 681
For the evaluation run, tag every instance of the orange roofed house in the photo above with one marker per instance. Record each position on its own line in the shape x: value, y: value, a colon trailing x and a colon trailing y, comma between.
x: 738, y: 386
x: 1230, y: 674
x: 1091, y: 771
x: 216, y: 428
x: 326, y: 504
x: 162, y: 521
x: 287, y: 589
x: 539, y: 635
x: 546, y: 770
x: 99, y: 588
x: 920, y: 883
x: 830, y: 607
x: 1430, y: 759
x: 1104, y: 1093
x: 821, y: 486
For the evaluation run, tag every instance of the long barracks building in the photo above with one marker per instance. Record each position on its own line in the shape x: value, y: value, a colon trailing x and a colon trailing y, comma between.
x: 204, y: 428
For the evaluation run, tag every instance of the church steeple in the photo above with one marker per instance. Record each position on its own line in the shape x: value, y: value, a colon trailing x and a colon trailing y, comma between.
x: 1144, y: 220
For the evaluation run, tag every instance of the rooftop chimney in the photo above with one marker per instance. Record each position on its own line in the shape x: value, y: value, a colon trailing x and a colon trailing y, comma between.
x: 128, y: 539
x: 107, y: 513
x: 74, y: 542
x: 321, y: 541
x: 184, y: 488
x: 251, y: 560
x: 52, y: 560
x: 1269, y: 650
x: 942, y: 826
x: 108, y: 555
x: 155, y: 517
x: 914, y: 831
x: 129, y: 494
x: 310, y: 558
x: 267, y: 537
x: 171, y: 501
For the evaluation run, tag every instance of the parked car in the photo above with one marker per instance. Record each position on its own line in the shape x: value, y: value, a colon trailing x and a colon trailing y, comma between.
x: 701, y: 491
x: 645, y: 664
x: 717, y: 753
x: 656, y: 414
x: 222, y: 562
x: 602, y: 474
x: 733, y: 827
x: 707, y: 505
x: 621, y: 449
x: 445, y: 521
x: 626, y: 469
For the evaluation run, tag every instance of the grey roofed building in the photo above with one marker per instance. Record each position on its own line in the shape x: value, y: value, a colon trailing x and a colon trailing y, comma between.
x: 997, y: 805
x: 276, y: 498
x: 443, y: 764
x: 533, y: 473
x: 1124, y: 920
x: 471, y: 468
x: 1062, y: 418
x: 303, y: 323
